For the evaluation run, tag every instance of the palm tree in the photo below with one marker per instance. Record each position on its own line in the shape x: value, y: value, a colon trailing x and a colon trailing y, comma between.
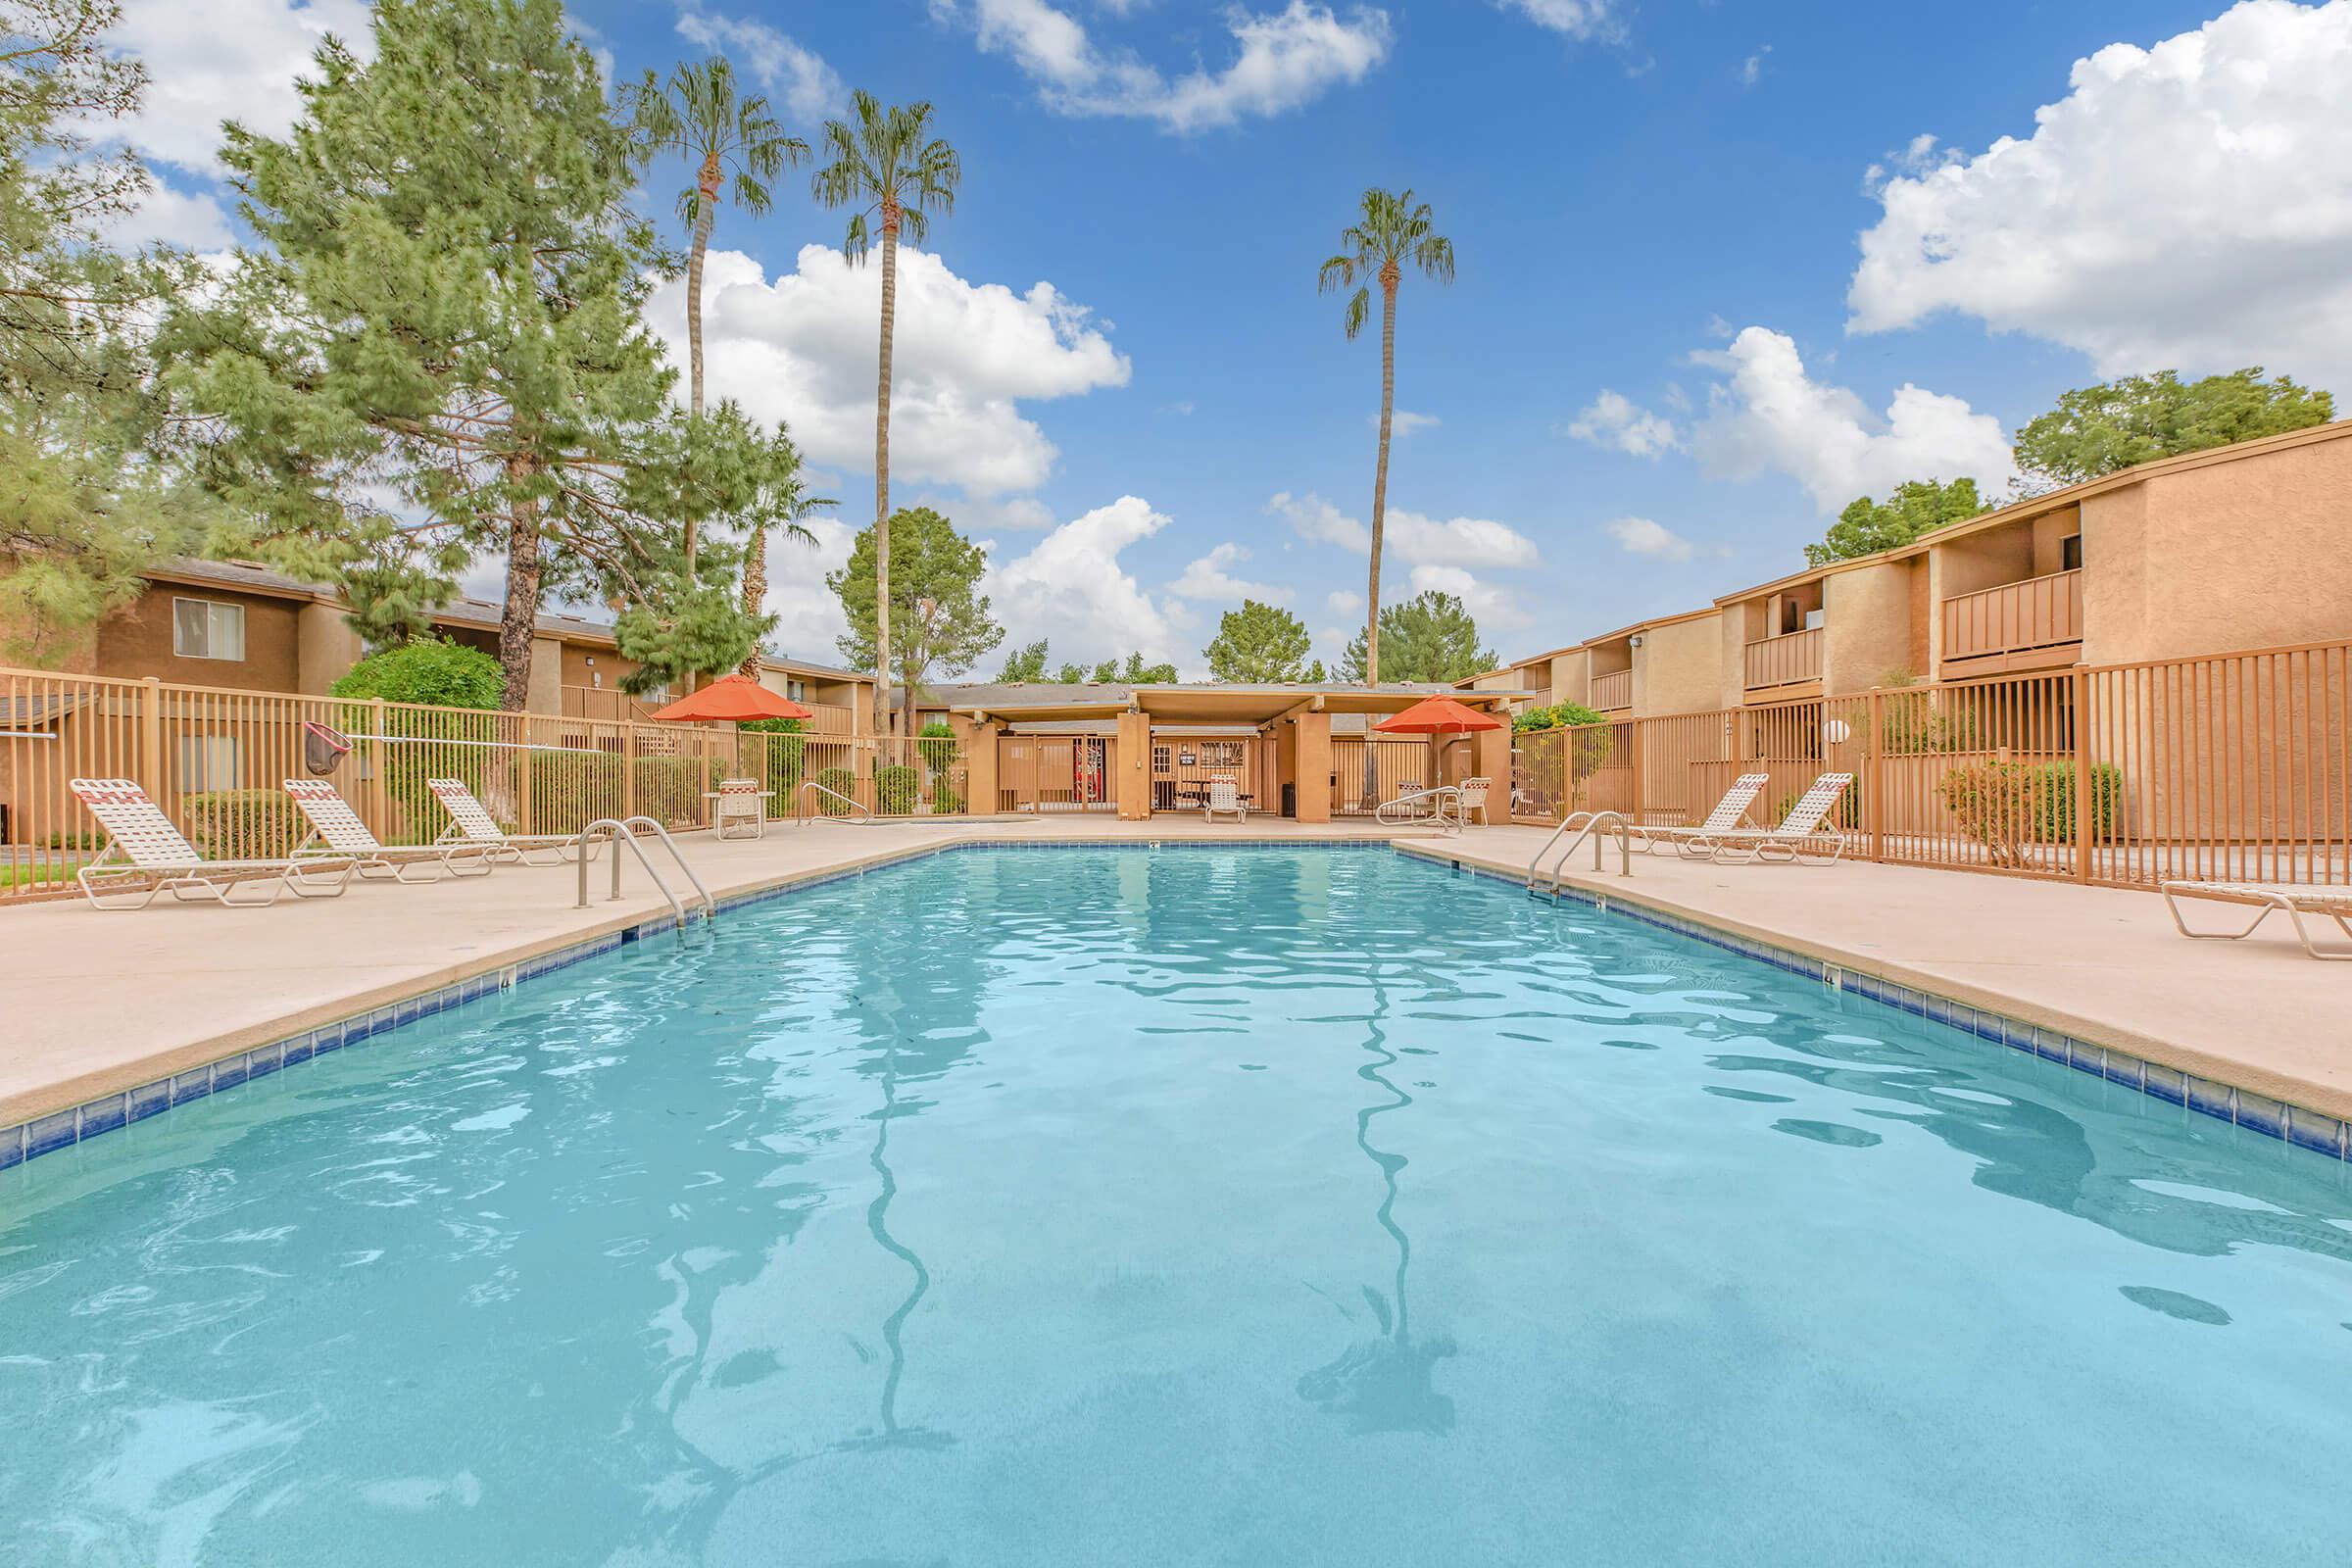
x: 879, y: 163
x: 699, y: 113
x: 786, y: 501
x: 1391, y: 232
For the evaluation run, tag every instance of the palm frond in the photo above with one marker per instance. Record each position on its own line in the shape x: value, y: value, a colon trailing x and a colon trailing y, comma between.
x: 1360, y: 306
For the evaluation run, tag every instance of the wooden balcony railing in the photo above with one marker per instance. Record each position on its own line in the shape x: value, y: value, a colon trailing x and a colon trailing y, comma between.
x: 1785, y: 660
x: 1613, y: 690
x: 2040, y: 613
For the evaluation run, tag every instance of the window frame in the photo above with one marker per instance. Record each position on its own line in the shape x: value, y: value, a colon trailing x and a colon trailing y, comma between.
x: 211, y: 612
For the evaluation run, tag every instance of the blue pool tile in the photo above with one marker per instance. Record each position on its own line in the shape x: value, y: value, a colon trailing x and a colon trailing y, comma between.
x: 11, y: 1146
x: 2208, y: 1096
x: 2314, y: 1131
x: 297, y: 1049
x: 189, y: 1086
x: 260, y: 1064
x: 149, y: 1098
x: 2084, y: 1056
x: 2167, y: 1084
x: 103, y: 1115
x: 336, y: 1035
x: 2262, y: 1113
x: 2124, y: 1068
x: 229, y: 1073
x: 52, y: 1131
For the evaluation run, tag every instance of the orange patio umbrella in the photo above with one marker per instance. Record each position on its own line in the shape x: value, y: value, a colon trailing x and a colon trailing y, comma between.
x: 731, y: 696
x: 1434, y: 717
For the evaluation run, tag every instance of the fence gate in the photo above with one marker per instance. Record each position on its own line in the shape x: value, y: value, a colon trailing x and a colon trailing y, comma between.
x: 1182, y: 768
x: 1055, y: 773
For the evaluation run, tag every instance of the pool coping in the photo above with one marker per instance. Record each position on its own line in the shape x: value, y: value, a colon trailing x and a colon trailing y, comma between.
x: 2053, y: 1038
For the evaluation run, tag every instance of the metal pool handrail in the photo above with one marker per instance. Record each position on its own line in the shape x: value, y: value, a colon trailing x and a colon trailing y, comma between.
x: 623, y: 831
x: 1588, y: 825
x: 866, y: 812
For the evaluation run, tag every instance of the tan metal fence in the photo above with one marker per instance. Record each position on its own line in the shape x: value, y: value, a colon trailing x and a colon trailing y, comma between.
x: 2227, y: 767
x: 215, y: 760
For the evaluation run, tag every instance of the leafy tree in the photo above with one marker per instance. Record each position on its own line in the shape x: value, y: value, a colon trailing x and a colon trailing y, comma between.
x: 1392, y: 231
x: 1135, y: 672
x: 1918, y: 505
x: 432, y: 671
x: 698, y: 112
x: 885, y: 162
x: 1259, y: 644
x: 934, y: 587
x: 446, y: 306
x: 2138, y: 418
x: 85, y: 505
x: 1026, y: 662
x: 1072, y: 675
x: 1431, y: 637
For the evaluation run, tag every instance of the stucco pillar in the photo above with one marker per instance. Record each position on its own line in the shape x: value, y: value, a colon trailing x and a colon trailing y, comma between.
x: 980, y: 769
x: 1491, y: 748
x: 1314, y: 767
x: 326, y: 647
x: 1133, y: 787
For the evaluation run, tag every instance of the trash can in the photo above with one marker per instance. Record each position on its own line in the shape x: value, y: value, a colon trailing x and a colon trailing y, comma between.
x: 1289, y: 800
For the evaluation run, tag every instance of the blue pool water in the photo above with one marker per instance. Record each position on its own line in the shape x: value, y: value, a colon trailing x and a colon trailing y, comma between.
x: 1228, y: 1206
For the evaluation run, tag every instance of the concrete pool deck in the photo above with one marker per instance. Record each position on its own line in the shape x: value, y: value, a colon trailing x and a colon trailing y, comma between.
x: 104, y: 1002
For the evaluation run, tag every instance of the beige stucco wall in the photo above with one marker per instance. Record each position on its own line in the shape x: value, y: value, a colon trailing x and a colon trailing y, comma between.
x: 326, y: 647
x: 2251, y: 554
x: 136, y: 642
x: 1568, y: 677
x: 1679, y: 668
x: 1874, y: 624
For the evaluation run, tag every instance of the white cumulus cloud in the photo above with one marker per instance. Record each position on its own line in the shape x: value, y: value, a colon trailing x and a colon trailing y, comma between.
x: 1340, y: 602
x: 1072, y: 588
x: 1411, y: 535
x: 1489, y: 606
x: 1578, y: 19
x: 1402, y: 424
x: 1317, y: 519
x: 1615, y: 421
x: 2187, y: 205
x: 802, y: 348
x: 224, y: 60
x: 1210, y: 577
x: 1643, y: 536
x: 1280, y: 60
x: 1769, y: 415
x: 806, y: 87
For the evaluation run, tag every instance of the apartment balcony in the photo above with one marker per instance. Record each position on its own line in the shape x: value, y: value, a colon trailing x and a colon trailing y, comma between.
x: 1789, y: 660
x: 2019, y: 625
x: 1613, y: 690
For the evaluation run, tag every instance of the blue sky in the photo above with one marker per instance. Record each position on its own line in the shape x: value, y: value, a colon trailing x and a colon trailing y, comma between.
x: 1665, y: 201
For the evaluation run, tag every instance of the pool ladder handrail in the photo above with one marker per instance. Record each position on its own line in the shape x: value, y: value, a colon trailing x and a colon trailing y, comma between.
x: 623, y: 830
x: 1588, y: 825
x: 865, y: 812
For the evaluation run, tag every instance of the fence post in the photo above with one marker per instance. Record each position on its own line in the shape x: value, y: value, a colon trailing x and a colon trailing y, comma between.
x: 1874, y: 776
x: 379, y: 793
x: 628, y: 769
x: 1639, y: 727
x: 2085, y: 833
x: 151, y: 738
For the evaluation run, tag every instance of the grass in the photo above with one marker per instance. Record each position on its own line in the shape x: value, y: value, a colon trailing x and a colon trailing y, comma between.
x: 40, y: 871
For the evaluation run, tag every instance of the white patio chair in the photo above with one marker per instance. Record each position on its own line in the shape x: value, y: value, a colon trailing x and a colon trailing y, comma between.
x: 2335, y: 904
x: 338, y: 834
x: 739, y: 805
x: 1698, y: 843
x: 1474, y: 799
x: 1803, y: 829
x: 145, y: 854
x: 1225, y: 796
x: 470, y: 823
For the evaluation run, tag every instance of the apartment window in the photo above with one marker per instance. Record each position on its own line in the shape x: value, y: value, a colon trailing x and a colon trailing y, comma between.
x: 211, y: 763
x: 204, y: 629
x: 1220, y: 754
x: 2070, y: 553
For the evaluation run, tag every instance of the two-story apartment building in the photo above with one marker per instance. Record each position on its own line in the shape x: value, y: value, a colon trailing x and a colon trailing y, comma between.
x: 2245, y: 546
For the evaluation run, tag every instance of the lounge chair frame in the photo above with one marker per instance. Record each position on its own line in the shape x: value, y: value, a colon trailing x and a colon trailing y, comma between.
x: 2335, y: 904
x: 1799, y: 840
x: 470, y: 822
x: 146, y: 855
x: 337, y: 833
x: 1224, y: 796
x: 1701, y: 843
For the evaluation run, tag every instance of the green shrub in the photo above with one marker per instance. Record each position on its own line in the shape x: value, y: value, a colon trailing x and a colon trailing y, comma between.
x: 1846, y: 814
x: 786, y: 757
x: 897, y: 789
x: 74, y: 841
x: 242, y: 825
x: 1994, y: 803
x: 570, y: 789
x: 2054, y: 801
x: 432, y: 671
x: 670, y: 789
x: 945, y: 799
x: 841, y: 781
x: 938, y: 729
x: 1559, y: 715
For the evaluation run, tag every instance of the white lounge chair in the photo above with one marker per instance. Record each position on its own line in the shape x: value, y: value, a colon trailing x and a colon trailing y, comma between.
x: 1698, y: 843
x: 1225, y: 796
x: 145, y: 854
x: 338, y: 834
x: 739, y: 805
x: 2335, y: 904
x: 470, y: 823
x: 1802, y: 830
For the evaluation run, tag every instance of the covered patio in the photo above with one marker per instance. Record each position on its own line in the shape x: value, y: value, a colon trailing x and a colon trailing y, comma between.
x: 1305, y: 752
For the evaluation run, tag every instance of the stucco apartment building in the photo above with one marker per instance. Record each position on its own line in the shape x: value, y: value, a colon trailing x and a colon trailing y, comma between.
x: 241, y: 626
x: 2246, y: 546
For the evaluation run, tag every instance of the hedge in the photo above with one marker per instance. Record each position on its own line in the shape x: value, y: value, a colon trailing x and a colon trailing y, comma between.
x: 670, y: 789
x: 841, y: 781
x: 243, y: 824
x: 897, y: 789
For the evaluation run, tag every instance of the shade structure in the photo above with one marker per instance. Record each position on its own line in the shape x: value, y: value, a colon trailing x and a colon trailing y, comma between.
x: 735, y: 697
x: 1437, y: 715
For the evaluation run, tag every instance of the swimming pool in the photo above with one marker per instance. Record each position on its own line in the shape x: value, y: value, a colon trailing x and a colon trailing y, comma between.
x: 1210, y: 1205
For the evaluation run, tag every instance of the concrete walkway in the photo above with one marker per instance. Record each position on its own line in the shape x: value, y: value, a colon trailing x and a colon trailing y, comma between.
x: 101, y: 1003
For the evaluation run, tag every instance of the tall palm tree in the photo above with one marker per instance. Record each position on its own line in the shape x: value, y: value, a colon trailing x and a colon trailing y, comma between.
x: 879, y: 163
x: 699, y: 113
x: 785, y: 503
x: 1391, y: 232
